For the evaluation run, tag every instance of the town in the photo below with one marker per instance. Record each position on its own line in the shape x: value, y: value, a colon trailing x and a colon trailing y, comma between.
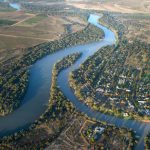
x: 107, y: 83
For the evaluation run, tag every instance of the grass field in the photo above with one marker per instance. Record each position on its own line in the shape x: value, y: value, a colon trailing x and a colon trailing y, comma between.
x: 33, y: 20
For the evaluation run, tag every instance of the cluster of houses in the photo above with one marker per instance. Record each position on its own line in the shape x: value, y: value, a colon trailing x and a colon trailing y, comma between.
x: 120, y: 87
x: 124, y: 96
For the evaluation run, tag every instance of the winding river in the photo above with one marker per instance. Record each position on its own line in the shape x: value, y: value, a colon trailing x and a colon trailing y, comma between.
x: 37, y: 96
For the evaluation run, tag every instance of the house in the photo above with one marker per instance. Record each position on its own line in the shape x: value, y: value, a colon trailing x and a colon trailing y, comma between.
x: 121, y: 81
x: 141, y: 102
x: 127, y: 90
x: 125, y: 114
x: 99, y: 130
x: 130, y: 105
x: 100, y: 90
x: 147, y: 111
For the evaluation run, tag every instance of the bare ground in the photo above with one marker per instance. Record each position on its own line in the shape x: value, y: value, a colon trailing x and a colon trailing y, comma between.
x: 132, y: 6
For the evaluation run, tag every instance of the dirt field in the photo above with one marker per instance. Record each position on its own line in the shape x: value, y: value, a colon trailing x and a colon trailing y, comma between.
x: 142, y: 5
x: 47, y: 29
x: 128, y: 6
x: 33, y: 29
x: 11, y: 47
x: 16, y: 16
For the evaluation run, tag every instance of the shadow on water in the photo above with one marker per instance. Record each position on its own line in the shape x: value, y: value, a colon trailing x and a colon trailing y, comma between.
x: 141, y: 128
x: 37, y: 95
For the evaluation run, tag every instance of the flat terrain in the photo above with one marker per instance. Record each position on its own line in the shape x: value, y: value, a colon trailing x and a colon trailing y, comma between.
x: 31, y: 29
x: 44, y: 28
x: 128, y: 6
x: 119, y: 74
x: 137, y: 25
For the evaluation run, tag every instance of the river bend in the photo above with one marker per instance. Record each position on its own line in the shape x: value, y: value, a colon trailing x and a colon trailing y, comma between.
x: 37, y: 95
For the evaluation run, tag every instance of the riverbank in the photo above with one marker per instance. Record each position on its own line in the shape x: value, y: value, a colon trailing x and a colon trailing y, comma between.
x: 65, y: 87
x: 95, y: 81
x: 37, y: 95
x: 94, y: 86
x: 61, y: 119
x: 8, y: 100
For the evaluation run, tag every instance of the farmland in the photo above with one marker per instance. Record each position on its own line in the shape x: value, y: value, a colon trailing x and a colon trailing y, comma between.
x: 20, y: 30
x: 134, y: 6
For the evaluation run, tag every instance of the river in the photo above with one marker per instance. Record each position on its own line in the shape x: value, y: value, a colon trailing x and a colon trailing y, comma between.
x: 37, y: 95
x: 13, y: 5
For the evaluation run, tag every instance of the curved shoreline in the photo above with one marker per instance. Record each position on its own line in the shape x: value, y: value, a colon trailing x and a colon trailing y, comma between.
x: 141, y: 128
x: 37, y: 95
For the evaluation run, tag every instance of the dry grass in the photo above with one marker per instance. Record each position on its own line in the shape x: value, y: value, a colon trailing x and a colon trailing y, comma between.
x: 23, y: 34
x: 141, y: 5
x: 16, y: 16
x: 138, y: 26
x: 49, y: 29
x: 128, y: 6
x: 11, y: 47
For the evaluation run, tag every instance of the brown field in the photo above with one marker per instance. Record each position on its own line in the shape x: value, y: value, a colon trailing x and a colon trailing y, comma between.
x: 16, y: 16
x: 141, y: 5
x: 128, y: 6
x: 27, y: 32
x: 138, y: 26
x: 12, y: 46
x: 50, y: 28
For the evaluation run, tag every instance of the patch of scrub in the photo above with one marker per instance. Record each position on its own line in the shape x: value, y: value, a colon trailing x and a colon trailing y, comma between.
x: 4, y: 22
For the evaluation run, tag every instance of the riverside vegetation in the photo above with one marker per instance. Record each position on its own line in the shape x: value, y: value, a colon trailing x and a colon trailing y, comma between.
x: 147, y: 142
x: 11, y: 72
x: 115, y: 80
x: 57, y: 112
x: 58, y: 119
